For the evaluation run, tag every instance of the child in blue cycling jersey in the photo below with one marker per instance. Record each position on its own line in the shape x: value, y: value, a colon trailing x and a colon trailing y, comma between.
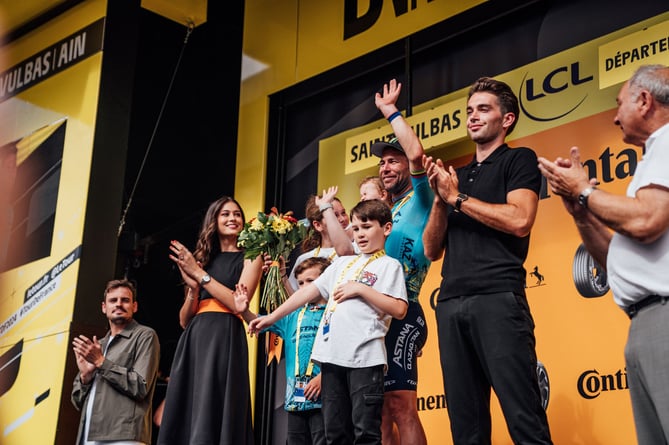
x: 303, y: 377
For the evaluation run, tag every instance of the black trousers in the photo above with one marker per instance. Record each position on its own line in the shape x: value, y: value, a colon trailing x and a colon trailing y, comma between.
x: 352, y: 404
x: 305, y: 428
x: 487, y: 341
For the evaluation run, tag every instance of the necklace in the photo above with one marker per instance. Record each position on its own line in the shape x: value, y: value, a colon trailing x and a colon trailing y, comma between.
x: 358, y: 272
x: 330, y: 257
x: 332, y: 304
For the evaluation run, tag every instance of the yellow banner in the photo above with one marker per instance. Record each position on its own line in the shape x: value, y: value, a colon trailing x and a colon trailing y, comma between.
x: 553, y: 91
x: 437, y: 127
x: 312, y: 37
x: 619, y: 58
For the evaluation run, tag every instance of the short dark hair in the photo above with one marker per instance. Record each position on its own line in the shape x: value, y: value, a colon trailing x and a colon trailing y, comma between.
x: 314, y: 261
x: 115, y: 284
x: 372, y: 210
x: 508, y: 102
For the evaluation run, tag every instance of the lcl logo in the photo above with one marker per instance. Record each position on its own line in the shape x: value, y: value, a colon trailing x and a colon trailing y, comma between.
x: 555, y: 82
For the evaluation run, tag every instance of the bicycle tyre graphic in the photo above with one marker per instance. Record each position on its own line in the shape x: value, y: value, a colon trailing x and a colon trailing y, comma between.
x: 589, y: 276
x: 544, y: 384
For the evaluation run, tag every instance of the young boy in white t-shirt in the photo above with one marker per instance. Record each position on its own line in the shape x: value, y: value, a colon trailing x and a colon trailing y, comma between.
x: 364, y: 293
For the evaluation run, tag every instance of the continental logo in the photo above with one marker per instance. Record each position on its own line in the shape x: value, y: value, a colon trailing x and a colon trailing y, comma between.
x: 431, y: 402
x: 570, y: 82
x: 591, y: 383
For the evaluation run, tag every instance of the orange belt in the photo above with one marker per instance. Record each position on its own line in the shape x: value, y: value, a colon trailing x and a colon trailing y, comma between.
x: 213, y: 305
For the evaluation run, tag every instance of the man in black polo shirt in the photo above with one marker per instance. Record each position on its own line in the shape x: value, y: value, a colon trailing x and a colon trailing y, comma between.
x: 481, y: 218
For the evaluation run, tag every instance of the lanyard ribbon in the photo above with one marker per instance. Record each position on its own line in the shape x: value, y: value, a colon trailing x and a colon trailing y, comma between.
x: 332, y: 305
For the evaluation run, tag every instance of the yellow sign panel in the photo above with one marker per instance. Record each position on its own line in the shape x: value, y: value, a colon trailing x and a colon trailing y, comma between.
x: 436, y: 127
x: 299, y: 40
x: 553, y: 91
x: 358, y: 27
x: 618, y: 59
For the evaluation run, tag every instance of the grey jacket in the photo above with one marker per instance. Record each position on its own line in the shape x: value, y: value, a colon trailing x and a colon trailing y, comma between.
x: 124, y: 391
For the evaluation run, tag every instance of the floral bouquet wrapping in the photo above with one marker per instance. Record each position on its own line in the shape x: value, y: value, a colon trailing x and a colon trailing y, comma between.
x: 275, y: 234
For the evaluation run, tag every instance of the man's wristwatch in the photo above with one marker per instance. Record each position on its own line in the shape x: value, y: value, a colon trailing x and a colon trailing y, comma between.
x: 459, y: 200
x: 583, y: 196
x: 205, y: 279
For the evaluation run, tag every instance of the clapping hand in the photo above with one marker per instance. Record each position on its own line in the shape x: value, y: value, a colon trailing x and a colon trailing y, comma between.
x: 567, y: 178
x: 443, y: 181
x: 189, y: 267
x: 88, y: 354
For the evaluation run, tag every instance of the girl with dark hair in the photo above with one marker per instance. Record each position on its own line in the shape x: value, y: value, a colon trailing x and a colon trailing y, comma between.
x: 327, y: 236
x: 208, y: 397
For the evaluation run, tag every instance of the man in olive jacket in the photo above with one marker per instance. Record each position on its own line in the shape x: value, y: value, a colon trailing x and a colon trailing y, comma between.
x: 117, y: 375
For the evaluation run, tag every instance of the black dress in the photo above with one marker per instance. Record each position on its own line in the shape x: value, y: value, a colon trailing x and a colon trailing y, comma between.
x: 208, y: 399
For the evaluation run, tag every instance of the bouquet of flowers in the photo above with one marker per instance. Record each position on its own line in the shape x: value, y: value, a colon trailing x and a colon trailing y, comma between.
x: 275, y: 234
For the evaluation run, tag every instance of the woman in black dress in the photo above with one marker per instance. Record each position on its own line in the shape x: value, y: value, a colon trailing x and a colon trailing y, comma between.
x: 208, y: 399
